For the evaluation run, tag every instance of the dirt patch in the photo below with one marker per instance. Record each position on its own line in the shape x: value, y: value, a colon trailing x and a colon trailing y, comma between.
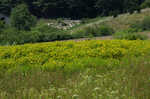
x: 93, y: 38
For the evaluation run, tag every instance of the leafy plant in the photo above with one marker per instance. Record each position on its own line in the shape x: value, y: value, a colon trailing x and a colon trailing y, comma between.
x: 47, y: 33
x: 94, y: 30
x: 2, y: 25
x: 9, y: 36
x: 21, y: 18
x: 105, y: 30
x: 143, y: 25
x: 130, y: 35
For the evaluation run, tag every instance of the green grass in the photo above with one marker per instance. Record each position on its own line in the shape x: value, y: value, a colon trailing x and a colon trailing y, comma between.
x: 116, y: 69
x: 64, y: 55
x: 76, y: 70
x: 124, y: 79
x: 122, y: 22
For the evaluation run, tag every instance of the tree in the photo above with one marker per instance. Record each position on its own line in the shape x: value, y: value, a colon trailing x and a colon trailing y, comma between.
x: 2, y: 25
x: 146, y: 4
x: 74, y: 8
x: 109, y: 7
x: 21, y: 18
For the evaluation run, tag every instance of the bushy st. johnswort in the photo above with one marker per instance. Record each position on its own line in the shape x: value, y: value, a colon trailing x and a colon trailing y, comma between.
x: 63, y: 55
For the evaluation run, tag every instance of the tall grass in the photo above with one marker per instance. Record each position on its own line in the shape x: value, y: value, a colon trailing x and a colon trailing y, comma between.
x: 124, y: 79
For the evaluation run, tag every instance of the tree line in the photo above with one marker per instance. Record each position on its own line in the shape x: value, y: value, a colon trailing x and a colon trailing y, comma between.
x: 72, y: 8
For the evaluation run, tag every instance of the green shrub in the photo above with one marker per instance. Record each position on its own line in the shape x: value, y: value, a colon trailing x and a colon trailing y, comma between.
x: 105, y: 30
x: 94, y: 30
x: 130, y: 36
x: 101, y: 30
x: 131, y: 30
x: 47, y: 33
x: 21, y: 18
x: 85, y: 32
x: 40, y: 33
x: 9, y: 36
x: 91, y: 30
x: 28, y: 37
x: 143, y: 25
x: 79, y: 33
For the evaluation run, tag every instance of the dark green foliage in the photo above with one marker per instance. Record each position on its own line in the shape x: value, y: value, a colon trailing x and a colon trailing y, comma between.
x: 145, y: 24
x: 90, y: 30
x: 133, y: 36
x: 132, y: 30
x: 105, y: 30
x: 7, y: 5
x: 146, y: 4
x: 136, y: 25
x: 2, y: 25
x: 40, y: 33
x: 73, y: 8
x: 21, y: 18
x: 9, y: 36
x: 101, y: 30
x: 12, y: 36
x: 47, y: 33
x: 93, y: 31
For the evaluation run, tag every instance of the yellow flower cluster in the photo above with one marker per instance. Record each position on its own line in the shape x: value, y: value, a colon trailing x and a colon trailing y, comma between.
x: 61, y: 53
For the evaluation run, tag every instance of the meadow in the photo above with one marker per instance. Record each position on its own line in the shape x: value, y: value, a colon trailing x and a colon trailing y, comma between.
x: 57, y: 55
x: 91, y: 69
x: 48, y: 51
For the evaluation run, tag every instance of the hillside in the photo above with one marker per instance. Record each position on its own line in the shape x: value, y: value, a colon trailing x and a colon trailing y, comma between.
x: 119, y: 23
x: 125, y: 26
x: 122, y: 22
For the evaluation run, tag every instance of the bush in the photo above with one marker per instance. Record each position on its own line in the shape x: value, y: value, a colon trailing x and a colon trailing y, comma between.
x: 94, y: 30
x: 21, y: 18
x: 130, y: 36
x: 136, y: 25
x: 88, y: 31
x: 91, y: 30
x: 47, y: 33
x: 131, y: 30
x: 40, y: 33
x: 105, y: 30
x: 143, y: 25
x: 9, y: 36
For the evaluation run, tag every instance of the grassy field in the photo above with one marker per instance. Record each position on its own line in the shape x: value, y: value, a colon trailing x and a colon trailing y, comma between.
x: 65, y: 55
x: 119, y: 23
x: 109, y: 69
x: 80, y: 68
x: 122, y: 21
